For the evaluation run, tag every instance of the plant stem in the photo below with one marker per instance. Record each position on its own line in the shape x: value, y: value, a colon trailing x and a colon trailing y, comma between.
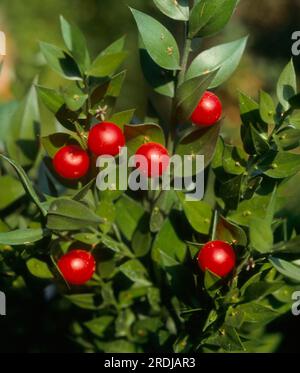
x: 178, y: 81
x: 185, y: 58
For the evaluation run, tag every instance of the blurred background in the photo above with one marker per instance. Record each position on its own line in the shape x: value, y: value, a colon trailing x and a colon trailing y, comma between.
x: 270, y: 25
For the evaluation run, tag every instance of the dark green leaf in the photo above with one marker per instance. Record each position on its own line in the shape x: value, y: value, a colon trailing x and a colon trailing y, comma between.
x: 122, y: 118
x: 135, y: 271
x: 289, y: 138
x: 280, y: 165
x: 168, y: 241
x: 39, y: 269
x: 287, y: 269
x: 229, y: 232
x: 287, y: 85
x: 22, y: 140
x: 224, y: 57
x: 261, y: 235
x: 52, y: 143
x: 60, y: 61
x: 159, y: 42
x: 66, y: 215
x: 14, y: 188
x: 129, y: 214
x: 52, y: 99
x: 210, y: 16
x: 26, y: 183
x: 198, y: 213
x: 178, y: 9
x: 161, y: 80
x: 22, y: 236
x: 106, y: 64
x: 98, y: 325
x: 139, y: 134
x: 75, y: 42
x: 190, y: 92
x: 267, y: 108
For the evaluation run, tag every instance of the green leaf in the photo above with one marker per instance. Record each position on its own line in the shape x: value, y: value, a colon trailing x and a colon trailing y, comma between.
x: 74, y: 99
x: 159, y: 42
x: 256, y: 207
x: 107, y: 211
x: 52, y: 99
x: 67, y: 215
x: 210, y: 16
x: 7, y: 109
x: 129, y: 214
x: 261, y: 289
x: 267, y: 108
x: 22, y: 236
x: 52, y: 143
x: 190, y: 92
x: 116, y: 346
x: 290, y: 247
x: 138, y: 134
x: 200, y: 141
x: 38, y: 269
x: 261, y: 235
x: 198, y: 213
x: 211, y: 283
x: 26, y: 183
x: 142, y: 238
x: 161, y: 80
x: 169, y: 242
x: 249, y: 109
x: 85, y: 301
x: 22, y: 140
x: 178, y: 10
x: 106, y: 64
x: 122, y: 118
x: 229, y: 232
x: 257, y: 313
x: 99, y: 325
x: 289, y: 138
x: 60, y: 61
x: 75, y: 42
x: 280, y: 165
x: 135, y: 271
x: 80, y: 194
x: 234, y: 160
x: 287, y: 85
x: 15, y: 188
x: 287, y: 269
x: 230, y: 191
x: 224, y: 57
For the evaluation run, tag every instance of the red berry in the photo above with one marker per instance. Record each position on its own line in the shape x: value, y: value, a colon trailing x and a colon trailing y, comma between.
x: 71, y: 162
x: 208, y: 111
x: 217, y: 256
x: 77, y: 266
x: 157, y: 159
x: 106, y: 139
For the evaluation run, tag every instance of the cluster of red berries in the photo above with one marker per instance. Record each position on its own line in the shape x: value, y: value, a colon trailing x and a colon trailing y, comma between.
x: 71, y: 162
x: 78, y: 266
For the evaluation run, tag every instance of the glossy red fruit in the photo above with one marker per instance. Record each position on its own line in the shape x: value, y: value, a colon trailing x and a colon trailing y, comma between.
x: 77, y: 266
x: 157, y: 159
x: 208, y: 111
x: 71, y: 162
x: 106, y: 139
x: 217, y: 256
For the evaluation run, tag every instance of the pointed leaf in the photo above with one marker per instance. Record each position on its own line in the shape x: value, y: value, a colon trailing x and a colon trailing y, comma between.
x: 287, y: 85
x: 224, y: 57
x: 178, y: 9
x: 159, y: 42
